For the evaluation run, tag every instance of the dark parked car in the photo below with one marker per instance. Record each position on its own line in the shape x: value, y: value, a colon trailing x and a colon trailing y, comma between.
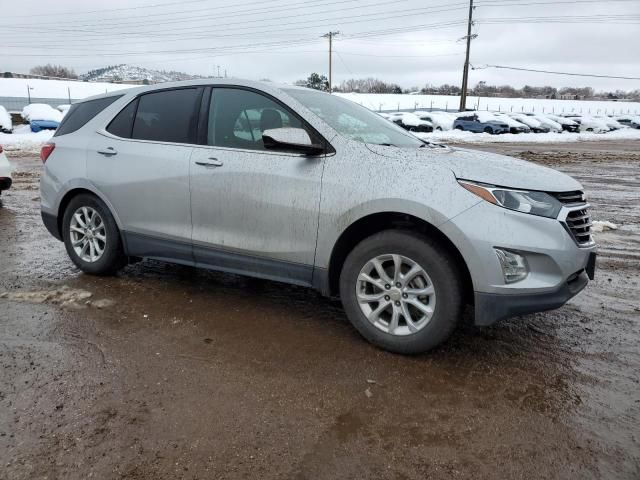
x: 480, y: 122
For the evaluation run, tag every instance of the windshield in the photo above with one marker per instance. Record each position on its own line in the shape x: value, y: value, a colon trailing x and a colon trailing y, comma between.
x: 353, y: 120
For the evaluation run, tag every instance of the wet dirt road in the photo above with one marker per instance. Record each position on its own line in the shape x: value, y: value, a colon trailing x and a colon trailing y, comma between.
x: 170, y: 372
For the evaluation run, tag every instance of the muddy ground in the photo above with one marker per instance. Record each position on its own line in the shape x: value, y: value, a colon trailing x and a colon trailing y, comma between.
x: 171, y: 372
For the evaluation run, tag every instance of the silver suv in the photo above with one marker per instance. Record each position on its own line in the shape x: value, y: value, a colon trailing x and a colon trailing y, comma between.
x: 299, y: 186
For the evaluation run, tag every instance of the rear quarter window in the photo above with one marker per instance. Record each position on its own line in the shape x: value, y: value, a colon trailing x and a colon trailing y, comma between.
x: 80, y: 113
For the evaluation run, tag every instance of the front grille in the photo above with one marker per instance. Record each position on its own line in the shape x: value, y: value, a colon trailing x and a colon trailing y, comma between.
x: 577, y: 221
x: 571, y: 198
x: 579, y: 225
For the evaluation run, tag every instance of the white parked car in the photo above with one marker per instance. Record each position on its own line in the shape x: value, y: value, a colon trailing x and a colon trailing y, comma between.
x: 5, y: 121
x: 567, y: 124
x: 551, y: 124
x: 631, y: 121
x: 514, y: 125
x: 590, y: 124
x: 5, y: 171
x: 612, y: 123
x: 412, y: 122
x: 531, y: 122
x: 439, y: 120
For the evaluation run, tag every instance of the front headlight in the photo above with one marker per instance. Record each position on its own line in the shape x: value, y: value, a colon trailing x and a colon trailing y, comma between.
x: 525, y: 201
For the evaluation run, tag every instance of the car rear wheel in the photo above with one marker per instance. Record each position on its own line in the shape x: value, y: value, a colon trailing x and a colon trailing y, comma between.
x: 459, y: 127
x: 91, y: 236
x: 401, y: 291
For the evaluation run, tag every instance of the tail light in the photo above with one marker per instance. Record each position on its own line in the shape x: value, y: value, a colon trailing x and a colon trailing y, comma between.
x: 46, y: 150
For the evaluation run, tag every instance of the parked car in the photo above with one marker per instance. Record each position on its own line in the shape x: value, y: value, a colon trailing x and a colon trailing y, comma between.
x: 612, y: 123
x: 42, y: 116
x: 323, y: 193
x: 440, y: 120
x: 6, y: 125
x: 589, y: 124
x: 630, y: 121
x: 5, y: 171
x: 532, y: 123
x: 545, y: 121
x: 411, y: 122
x: 567, y: 124
x: 480, y: 122
x: 514, y: 125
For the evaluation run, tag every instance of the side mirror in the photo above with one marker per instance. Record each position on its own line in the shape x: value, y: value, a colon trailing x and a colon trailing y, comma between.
x: 290, y: 139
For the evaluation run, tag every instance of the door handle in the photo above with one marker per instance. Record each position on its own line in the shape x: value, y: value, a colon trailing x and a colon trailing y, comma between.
x: 210, y: 162
x: 107, y: 151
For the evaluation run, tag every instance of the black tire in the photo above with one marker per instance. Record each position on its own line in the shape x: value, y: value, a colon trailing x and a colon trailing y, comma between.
x: 459, y: 128
x: 439, y: 129
x: 113, y: 257
x: 444, y: 275
x: 488, y: 130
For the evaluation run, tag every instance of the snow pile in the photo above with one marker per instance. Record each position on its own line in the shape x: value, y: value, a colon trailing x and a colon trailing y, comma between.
x: 131, y: 72
x: 24, y: 141
x: 64, y: 108
x: 41, y: 111
x: 458, y: 136
x: 601, y: 226
x: 5, y: 119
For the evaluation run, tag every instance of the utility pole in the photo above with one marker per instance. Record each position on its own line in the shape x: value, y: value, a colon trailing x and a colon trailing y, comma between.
x: 465, y: 71
x: 330, y: 36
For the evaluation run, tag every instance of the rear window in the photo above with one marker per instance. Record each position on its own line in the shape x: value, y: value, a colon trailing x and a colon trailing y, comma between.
x: 168, y: 116
x: 80, y: 113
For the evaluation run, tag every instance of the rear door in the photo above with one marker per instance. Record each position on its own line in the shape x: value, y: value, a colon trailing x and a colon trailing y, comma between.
x: 254, y: 210
x: 140, y: 162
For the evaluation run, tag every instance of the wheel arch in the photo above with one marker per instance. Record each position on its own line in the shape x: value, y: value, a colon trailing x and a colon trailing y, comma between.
x: 376, y: 222
x: 74, y: 192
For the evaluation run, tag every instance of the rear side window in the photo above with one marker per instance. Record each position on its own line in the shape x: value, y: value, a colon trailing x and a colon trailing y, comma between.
x: 168, y: 116
x: 80, y: 113
x: 122, y: 124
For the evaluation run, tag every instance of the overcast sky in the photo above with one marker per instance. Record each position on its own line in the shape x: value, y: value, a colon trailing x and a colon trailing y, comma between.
x: 411, y: 42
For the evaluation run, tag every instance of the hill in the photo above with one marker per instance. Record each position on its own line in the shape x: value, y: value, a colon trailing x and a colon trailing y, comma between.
x: 131, y: 72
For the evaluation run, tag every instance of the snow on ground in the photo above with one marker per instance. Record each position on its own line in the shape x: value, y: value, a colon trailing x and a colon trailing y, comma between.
x: 62, y: 89
x: 24, y: 141
x: 458, y: 136
x: 389, y: 102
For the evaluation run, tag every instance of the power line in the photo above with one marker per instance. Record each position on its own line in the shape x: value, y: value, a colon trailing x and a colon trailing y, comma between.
x: 573, y: 74
x: 229, y: 26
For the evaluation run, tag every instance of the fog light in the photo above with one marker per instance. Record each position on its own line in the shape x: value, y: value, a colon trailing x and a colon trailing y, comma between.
x: 514, y: 266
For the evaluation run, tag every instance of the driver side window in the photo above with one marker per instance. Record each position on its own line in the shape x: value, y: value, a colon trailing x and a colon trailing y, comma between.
x: 237, y: 118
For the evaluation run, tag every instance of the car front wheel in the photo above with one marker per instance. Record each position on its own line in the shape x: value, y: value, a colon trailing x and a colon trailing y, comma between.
x: 401, y: 291
x: 91, y: 236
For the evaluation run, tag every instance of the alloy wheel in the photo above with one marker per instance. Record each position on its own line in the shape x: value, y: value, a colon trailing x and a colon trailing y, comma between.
x: 395, y: 294
x: 88, y: 234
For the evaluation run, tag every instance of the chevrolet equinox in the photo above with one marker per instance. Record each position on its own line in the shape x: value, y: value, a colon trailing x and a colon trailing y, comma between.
x: 303, y: 187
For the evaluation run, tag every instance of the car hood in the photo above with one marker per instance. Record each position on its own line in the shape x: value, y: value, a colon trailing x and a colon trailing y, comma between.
x: 487, y: 167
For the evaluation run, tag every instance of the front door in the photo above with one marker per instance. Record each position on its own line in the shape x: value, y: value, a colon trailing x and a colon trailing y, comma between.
x: 253, y: 210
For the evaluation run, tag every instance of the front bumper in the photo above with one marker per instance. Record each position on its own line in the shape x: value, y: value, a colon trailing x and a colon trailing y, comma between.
x: 557, y: 265
x: 490, y: 307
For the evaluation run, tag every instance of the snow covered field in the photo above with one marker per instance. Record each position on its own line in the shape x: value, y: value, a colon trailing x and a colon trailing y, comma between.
x: 390, y: 102
x: 458, y: 136
x: 17, y: 87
